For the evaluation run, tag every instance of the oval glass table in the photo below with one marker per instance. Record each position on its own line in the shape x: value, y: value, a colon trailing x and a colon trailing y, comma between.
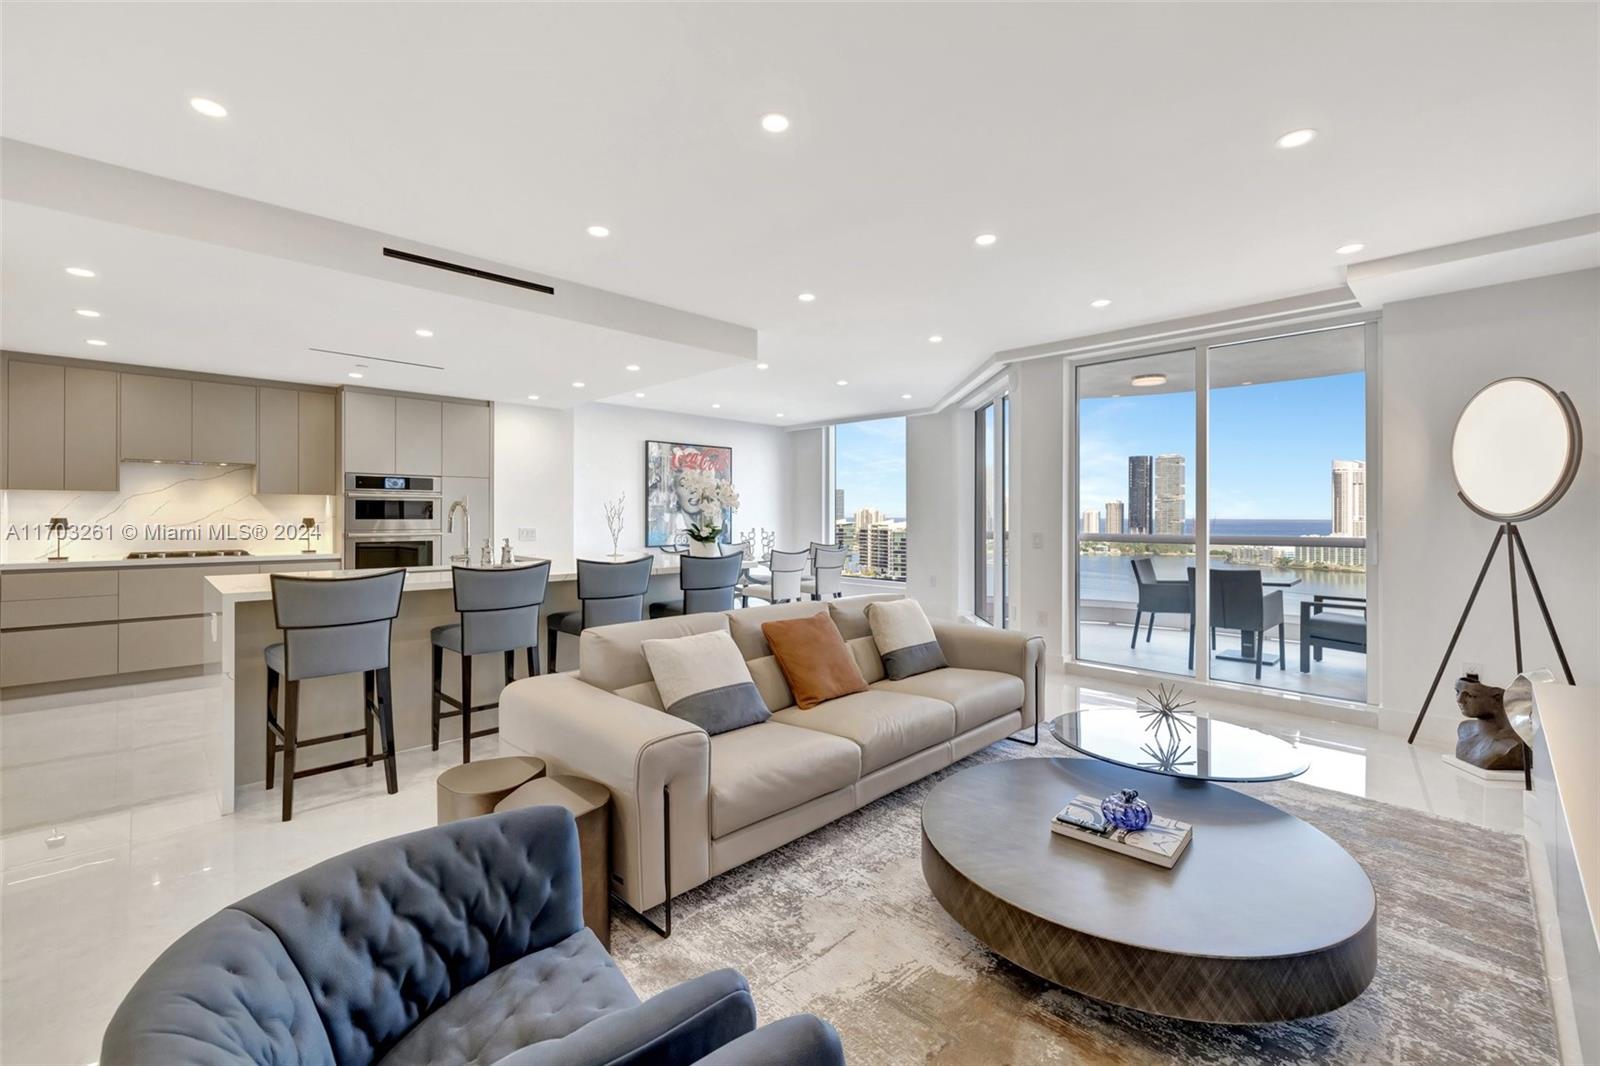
x: 1179, y: 744
x: 1263, y: 919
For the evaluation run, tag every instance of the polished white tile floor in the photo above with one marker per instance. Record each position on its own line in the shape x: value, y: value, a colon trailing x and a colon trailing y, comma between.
x: 113, y: 845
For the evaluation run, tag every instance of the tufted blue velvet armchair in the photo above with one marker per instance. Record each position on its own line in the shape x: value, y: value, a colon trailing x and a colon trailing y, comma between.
x: 460, y: 944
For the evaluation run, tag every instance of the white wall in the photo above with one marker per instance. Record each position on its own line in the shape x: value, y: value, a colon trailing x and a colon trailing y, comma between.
x: 533, y: 479
x: 938, y: 492
x: 1437, y: 352
x: 1038, y: 423
x: 810, y: 508
x: 608, y: 461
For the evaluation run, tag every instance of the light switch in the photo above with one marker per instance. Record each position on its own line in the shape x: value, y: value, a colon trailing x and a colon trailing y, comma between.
x: 527, y: 533
x: 1038, y: 540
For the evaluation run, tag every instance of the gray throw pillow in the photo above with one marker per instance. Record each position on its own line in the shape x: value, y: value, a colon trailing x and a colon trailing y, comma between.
x: 703, y: 679
x: 904, y: 638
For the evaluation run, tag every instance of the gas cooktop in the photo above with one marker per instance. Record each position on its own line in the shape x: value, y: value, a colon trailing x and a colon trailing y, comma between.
x: 207, y: 553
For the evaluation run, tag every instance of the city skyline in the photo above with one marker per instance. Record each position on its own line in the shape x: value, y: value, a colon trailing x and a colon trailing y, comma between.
x: 1348, y: 503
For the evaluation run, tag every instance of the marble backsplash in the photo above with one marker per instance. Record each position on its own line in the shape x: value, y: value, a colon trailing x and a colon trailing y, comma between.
x: 164, y: 506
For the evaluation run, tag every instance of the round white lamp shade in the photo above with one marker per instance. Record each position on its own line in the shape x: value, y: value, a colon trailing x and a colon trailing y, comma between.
x: 1516, y: 449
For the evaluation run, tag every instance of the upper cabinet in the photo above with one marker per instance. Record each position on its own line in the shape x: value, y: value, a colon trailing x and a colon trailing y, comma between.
x: 368, y: 433
x: 157, y: 417
x: 61, y: 427
x: 296, y: 443
x: 417, y: 444
x: 223, y: 423
x: 468, y: 440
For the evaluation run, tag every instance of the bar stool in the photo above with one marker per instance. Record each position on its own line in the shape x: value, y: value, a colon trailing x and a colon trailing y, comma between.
x: 607, y: 593
x: 499, y: 611
x: 707, y: 584
x: 788, y: 571
x: 331, y: 626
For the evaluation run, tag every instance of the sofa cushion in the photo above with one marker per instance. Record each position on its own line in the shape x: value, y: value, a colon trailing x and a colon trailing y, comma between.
x: 886, y: 726
x: 979, y: 696
x: 542, y: 996
x: 609, y: 657
x: 768, y: 676
x: 868, y: 661
x: 767, y: 769
x: 1349, y: 628
x: 645, y: 694
x: 814, y: 659
x: 703, y: 679
x: 905, y: 638
x: 850, y: 613
x: 745, y: 625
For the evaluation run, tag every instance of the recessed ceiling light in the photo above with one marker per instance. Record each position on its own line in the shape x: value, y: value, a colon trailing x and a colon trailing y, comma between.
x: 638, y: 396
x: 1100, y: 303
x: 208, y: 108
x: 632, y: 367
x: 1145, y: 381
x: 80, y: 272
x: 1349, y: 249
x: 598, y: 231
x: 357, y: 374
x: 86, y: 313
x: 533, y: 395
x: 983, y: 240
x: 762, y: 366
x: 806, y: 297
x: 905, y: 396
x: 841, y: 381
x: 773, y: 122
x: 780, y: 414
x: 935, y: 339
x: 1297, y: 138
x: 424, y: 332
x: 97, y: 342
x: 716, y: 406
x: 577, y: 384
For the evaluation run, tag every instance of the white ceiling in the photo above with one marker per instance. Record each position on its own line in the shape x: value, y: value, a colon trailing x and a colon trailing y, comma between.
x: 1122, y: 151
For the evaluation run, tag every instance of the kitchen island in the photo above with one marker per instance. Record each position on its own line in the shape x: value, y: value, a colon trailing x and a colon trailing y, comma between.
x: 239, y: 626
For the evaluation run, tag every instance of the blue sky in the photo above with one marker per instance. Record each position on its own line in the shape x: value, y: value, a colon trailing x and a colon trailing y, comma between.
x: 1272, y: 445
x: 870, y: 465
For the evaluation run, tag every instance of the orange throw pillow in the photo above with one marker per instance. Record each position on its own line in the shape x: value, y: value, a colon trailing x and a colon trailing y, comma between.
x: 814, y: 659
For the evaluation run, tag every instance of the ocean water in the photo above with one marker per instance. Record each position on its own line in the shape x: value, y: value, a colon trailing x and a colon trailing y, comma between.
x: 1266, y: 527
x: 1110, y: 577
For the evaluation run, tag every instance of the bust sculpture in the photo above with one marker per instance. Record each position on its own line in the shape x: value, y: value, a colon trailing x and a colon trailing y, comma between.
x: 1485, y: 739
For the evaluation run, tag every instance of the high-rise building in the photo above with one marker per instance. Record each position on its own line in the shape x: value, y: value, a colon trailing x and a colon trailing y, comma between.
x: 1170, y: 504
x: 1114, y: 517
x: 838, y: 505
x: 1139, y: 516
x: 1349, y: 498
x: 1091, y: 522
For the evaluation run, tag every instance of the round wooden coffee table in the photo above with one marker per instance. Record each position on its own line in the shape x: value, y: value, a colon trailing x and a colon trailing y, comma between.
x: 1264, y: 918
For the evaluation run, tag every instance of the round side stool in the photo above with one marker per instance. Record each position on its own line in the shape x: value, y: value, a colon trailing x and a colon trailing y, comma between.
x: 474, y: 788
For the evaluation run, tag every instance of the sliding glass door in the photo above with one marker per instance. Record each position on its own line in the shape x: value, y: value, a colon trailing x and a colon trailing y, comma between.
x: 1260, y: 445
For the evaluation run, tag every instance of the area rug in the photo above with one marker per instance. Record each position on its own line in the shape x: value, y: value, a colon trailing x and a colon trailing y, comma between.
x: 840, y: 923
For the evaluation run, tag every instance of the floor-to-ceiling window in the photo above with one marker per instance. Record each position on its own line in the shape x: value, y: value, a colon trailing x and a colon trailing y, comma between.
x: 1136, y: 504
x: 869, y: 497
x: 992, y: 511
x: 1280, y: 483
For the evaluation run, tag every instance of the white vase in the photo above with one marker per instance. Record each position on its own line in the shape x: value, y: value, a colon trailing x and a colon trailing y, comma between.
x: 703, y: 548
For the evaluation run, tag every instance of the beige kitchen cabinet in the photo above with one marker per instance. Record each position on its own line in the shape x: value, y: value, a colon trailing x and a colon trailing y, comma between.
x: 90, y: 417
x: 160, y: 644
x: 161, y: 591
x: 157, y: 416
x: 36, y: 656
x: 418, y: 446
x: 468, y: 441
x: 35, y: 426
x: 369, y: 426
x: 224, y: 422
x: 277, y: 441
x: 57, y: 585
x: 319, y: 444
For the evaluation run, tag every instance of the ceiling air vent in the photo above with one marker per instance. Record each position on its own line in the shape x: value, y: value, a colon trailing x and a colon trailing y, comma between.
x: 471, y: 272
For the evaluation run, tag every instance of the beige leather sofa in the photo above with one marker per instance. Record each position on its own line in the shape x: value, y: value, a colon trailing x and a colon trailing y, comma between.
x: 740, y: 794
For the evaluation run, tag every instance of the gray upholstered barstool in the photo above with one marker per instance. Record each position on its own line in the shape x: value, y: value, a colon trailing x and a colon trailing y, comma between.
x: 499, y: 610
x: 331, y: 626
x: 607, y: 593
x: 707, y: 584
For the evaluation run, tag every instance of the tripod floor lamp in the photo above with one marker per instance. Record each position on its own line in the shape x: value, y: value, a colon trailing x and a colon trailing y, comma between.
x: 1515, y: 453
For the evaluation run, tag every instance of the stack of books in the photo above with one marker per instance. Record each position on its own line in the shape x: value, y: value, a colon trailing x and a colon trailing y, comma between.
x: 1161, y: 842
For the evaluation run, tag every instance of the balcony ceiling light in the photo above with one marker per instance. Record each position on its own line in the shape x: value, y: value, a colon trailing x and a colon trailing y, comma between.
x: 1146, y: 381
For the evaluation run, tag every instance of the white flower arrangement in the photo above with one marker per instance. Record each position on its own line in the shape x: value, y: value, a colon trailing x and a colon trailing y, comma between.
x: 713, y: 498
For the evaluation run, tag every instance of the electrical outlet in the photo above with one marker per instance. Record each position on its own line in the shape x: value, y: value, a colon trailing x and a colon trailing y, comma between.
x: 1038, y: 540
x: 527, y: 533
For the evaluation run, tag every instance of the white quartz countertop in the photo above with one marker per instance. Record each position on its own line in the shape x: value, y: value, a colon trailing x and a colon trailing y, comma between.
x: 244, y: 588
x: 23, y: 565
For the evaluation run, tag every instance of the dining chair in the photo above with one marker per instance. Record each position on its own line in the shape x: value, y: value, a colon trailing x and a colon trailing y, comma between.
x: 1163, y: 595
x: 708, y: 585
x: 1237, y: 602
x: 828, y: 568
x: 607, y: 593
x: 788, y: 570
x: 499, y: 609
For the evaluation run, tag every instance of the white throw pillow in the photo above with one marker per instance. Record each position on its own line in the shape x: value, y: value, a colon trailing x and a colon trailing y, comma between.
x: 703, y: 679
x: 904, y: 638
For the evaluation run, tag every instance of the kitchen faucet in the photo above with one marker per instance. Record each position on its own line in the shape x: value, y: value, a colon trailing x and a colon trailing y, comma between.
x: 466, y: 531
